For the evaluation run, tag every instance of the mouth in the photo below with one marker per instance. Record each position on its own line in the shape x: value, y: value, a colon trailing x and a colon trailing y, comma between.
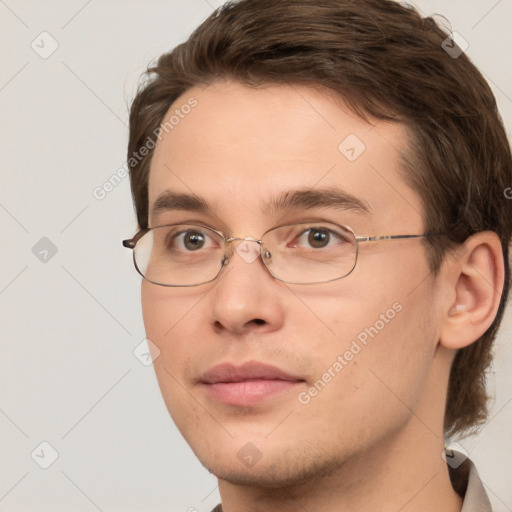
x: 247, y: 385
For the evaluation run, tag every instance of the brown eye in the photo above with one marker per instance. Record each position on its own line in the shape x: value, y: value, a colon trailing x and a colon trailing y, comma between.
x: 193, y: 240
x: 318, y: 238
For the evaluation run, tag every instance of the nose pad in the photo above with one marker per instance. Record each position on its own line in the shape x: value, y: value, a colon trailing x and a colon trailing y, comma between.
x: 248, y: 249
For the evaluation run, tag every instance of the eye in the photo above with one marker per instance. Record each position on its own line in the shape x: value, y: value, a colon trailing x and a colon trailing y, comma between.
x: 317, y: 238
x: 190, y: 240
x: 193, y: 240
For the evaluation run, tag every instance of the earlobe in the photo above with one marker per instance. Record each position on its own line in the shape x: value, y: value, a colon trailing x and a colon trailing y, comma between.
x: 478, y: 279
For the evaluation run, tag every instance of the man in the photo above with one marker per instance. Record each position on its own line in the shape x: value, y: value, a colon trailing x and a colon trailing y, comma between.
x: 319, y: 187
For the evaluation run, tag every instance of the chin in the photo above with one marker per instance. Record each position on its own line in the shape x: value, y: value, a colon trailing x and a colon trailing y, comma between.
x: 289, y: 468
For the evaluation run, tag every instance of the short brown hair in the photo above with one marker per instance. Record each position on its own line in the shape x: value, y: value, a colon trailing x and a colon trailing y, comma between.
x: 388, y: 62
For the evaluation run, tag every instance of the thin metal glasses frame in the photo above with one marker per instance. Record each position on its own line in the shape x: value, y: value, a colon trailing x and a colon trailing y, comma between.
x: 130, y: 243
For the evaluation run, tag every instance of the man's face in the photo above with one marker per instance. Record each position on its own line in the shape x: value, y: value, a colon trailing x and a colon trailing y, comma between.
x: 360, y: 351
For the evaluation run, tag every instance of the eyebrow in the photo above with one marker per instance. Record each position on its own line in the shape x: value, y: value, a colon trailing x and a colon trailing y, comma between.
x: 292, y: 200
x: 304, y: 199
x: 169, y: 201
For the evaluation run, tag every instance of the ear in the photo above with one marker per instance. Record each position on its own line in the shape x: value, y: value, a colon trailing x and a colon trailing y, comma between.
x: 476, y: 276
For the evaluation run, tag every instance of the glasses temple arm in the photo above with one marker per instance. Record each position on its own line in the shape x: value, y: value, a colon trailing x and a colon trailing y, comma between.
x: 130, y: 244
x: 361, y: 238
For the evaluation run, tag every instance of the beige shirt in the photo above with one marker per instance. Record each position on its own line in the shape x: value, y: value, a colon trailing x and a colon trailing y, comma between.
x: 466, y: 482
x: 475, y: 497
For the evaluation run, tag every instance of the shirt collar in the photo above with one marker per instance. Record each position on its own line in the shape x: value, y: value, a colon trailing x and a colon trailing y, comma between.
x: 475, y: 499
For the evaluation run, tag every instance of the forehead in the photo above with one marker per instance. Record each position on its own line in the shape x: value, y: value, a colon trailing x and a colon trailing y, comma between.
x: 241, y: 146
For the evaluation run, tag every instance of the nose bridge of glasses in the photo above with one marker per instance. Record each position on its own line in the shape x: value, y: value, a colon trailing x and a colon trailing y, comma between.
x: 246, y: 239
x: 247, y: 248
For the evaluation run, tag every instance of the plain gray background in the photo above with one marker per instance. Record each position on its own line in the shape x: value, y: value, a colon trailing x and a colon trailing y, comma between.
x: 70, y: 321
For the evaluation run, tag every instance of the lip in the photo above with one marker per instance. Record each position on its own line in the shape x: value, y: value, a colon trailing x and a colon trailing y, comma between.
x: 248, y: 384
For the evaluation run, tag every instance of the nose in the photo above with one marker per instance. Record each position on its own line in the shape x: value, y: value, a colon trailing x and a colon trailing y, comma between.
x: 246, y: 297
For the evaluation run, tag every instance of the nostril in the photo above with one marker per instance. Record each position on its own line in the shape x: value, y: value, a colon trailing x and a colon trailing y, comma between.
x: 259, y: 321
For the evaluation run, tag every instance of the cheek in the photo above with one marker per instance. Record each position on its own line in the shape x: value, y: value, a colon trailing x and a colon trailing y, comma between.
x: 164, y: 310
x: 385, y: 332
x: 378, y: 380
x: 155, y: 310
x: 167, y: 319
x: 400, y: 356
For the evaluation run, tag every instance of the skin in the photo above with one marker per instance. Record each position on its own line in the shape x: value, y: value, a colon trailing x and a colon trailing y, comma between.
x: 372, y: 438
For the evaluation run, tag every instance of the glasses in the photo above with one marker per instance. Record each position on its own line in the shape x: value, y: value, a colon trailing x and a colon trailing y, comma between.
x: 305, y: 253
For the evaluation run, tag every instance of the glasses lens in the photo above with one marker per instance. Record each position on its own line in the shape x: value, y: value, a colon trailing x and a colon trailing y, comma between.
x: 179, y: 255
x: 310, y: 253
